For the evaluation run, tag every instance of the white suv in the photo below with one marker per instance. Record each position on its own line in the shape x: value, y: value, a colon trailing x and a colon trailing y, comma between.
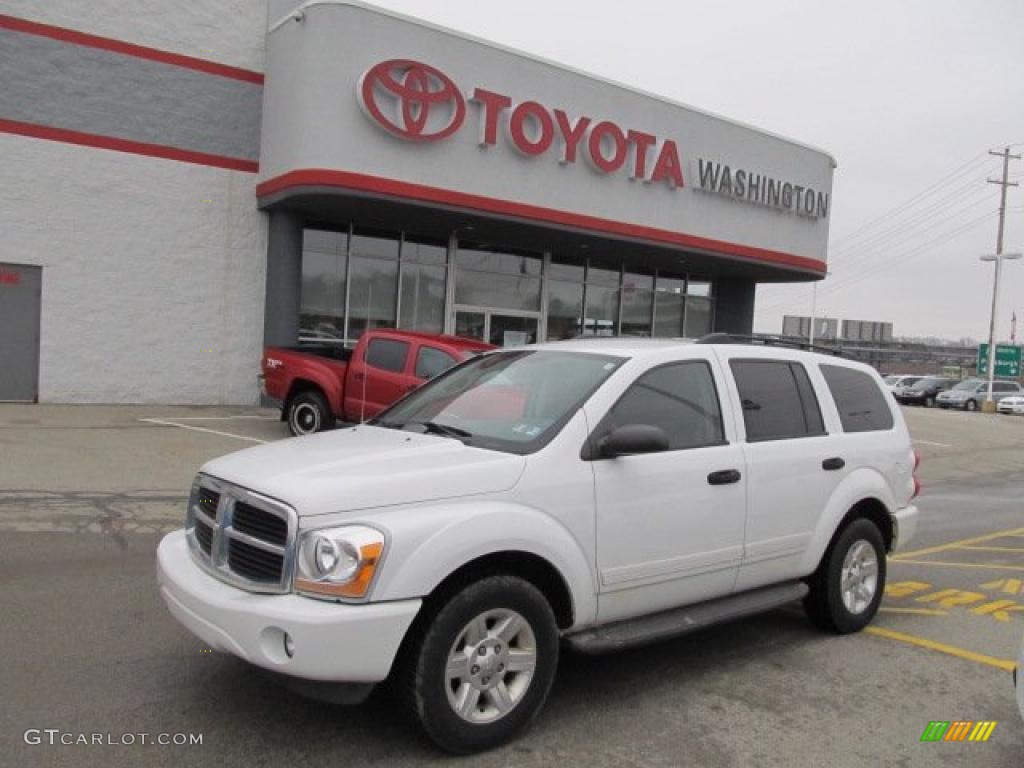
x: 598, y: 493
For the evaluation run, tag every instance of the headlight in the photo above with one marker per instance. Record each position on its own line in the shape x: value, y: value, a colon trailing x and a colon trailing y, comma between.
x: 339, y: 562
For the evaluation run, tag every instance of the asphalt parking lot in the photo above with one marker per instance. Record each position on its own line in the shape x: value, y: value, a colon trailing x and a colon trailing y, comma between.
x: 85, y: 493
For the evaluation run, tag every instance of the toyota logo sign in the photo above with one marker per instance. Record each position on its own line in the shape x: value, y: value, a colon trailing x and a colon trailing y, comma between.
x: 418, y: 102
x: 412, y: 101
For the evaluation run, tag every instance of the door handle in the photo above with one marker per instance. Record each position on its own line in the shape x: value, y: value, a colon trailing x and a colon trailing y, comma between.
x: 359, y: 376
x: 724, y: 477
x: 833, y: 463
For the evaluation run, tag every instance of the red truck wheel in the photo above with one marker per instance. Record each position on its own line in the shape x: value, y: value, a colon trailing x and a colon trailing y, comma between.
x: 308, y: 412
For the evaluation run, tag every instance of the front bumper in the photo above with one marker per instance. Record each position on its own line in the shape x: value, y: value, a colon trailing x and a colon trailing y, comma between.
x: 333, y: 642
x: 904, y: 526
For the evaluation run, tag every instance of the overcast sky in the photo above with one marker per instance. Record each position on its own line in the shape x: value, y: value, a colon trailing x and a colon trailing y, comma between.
x: 907, y: 95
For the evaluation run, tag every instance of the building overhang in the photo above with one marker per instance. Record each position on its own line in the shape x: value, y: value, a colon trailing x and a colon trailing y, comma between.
x: 422, y: 121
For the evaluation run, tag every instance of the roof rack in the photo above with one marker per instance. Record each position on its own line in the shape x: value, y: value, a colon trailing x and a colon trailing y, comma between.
x: 766, y: 341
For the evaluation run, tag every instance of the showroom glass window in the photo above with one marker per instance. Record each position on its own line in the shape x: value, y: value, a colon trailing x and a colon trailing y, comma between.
x: 423, y: 272
x: 322, y: 304
x: 502, y: 279
x: 670, y: 300
x: 699, y: 309
x: 565, y: 297
x: 373, y: 277
x: 604, y: 279
x: 637, y: 301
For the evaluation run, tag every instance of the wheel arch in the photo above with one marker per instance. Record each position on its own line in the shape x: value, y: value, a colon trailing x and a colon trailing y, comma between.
x: 863, y: 494
x: 466, y: 541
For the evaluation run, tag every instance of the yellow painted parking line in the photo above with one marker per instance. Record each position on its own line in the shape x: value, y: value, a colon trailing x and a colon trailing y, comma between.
x: 958, y: 565
x: 957, y: 544
x: 1018, y: 550
x: 914, y: 611
x: 961, y: 653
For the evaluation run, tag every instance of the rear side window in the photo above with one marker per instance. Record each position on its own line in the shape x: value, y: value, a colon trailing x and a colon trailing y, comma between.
x: 387, y: 354
x: 679, y: 398
x: 778, y: 400
x: 1004, y: 386
x: 861, y: 404
x: 430, y: 362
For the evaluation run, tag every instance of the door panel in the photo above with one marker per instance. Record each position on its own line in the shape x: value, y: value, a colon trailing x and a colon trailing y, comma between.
x: 793, y: 490
x: 666, y: 536
x: 379, y: 378
x: 20, y: 293
x: 670, y: 523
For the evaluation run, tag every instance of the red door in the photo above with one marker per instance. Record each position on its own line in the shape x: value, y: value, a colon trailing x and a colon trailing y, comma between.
x: 378, y: 380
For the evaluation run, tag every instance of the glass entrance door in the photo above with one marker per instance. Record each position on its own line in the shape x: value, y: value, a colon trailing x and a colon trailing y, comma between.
x: 495, y: 326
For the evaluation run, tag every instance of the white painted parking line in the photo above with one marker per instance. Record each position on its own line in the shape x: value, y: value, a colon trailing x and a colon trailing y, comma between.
x: 929, y: 442
x: 222, y: 418
x: 164, y: 423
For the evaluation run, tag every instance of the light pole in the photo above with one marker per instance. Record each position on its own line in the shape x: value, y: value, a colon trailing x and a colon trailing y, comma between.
x: 814, y: 309
x: 989, y: 406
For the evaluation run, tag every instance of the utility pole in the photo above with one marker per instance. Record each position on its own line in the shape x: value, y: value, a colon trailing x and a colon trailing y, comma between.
x: 990, y: 406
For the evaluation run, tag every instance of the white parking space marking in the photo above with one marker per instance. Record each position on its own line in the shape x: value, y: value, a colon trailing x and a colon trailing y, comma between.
x: 164, y: 423
x: 929, y: 442
x: 221, y: 418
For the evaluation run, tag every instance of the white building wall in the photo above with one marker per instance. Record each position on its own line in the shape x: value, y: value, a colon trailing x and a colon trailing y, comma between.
x: 226, y: 31
x: 154, y: 269
x: 153, y: 273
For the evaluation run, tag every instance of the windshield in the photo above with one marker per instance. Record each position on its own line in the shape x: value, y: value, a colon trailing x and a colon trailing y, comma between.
x: 968, y: 386
x: 514, y: 401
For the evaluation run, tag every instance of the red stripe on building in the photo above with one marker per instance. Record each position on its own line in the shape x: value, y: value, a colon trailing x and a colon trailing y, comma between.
x: 419, y: 192
x: 125, y: 145
x: 129, y: 49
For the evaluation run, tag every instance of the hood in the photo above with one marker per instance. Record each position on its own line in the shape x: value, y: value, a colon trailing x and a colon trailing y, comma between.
x: 365, y: 467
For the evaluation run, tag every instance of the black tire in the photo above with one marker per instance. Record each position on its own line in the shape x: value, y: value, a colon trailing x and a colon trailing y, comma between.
x: 422, y: 682
x: 824, y: 603
x: 971, y: 405
x: 309, y: 412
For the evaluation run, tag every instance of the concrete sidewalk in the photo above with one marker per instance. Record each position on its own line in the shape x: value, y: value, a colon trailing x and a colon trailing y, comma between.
x: 113, y: 469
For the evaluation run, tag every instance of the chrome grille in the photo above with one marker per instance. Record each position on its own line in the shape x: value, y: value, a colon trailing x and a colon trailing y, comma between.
x: 241, y: 537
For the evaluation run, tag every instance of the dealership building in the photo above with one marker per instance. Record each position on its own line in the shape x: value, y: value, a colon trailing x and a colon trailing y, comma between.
x: 186, y: 182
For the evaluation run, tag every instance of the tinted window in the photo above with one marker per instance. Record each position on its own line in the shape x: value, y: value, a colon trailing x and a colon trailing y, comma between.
x: 1004, y: 386
x: 679, y: 399
x: 861, y: 404
x: 387, y: 354
x: 778, y: 400
x: 430, y: 362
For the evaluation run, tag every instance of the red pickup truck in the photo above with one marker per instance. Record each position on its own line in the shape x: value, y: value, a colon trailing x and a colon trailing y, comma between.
x: 318, y: 385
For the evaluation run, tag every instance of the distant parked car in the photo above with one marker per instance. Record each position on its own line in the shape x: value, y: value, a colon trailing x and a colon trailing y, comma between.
x: 1013, y: 404
x: 969, y: 394
x: 897, y: 382
x: 925, y: 391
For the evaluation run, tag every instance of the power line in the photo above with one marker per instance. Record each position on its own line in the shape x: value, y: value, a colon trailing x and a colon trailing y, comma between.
x: 896, y: 260
x: 958, y: 171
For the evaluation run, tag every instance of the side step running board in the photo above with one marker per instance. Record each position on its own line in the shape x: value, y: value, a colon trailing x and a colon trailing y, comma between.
x: 679, y: 621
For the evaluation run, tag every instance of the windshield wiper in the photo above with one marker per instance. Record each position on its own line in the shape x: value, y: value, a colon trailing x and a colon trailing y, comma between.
x: 385, y: 424
x: 433, y: 428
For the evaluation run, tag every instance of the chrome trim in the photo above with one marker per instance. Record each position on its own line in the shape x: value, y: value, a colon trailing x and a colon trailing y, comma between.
x: 223, y: 532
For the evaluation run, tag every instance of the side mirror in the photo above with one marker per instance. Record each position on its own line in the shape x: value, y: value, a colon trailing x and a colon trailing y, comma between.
x: 632, y: 439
